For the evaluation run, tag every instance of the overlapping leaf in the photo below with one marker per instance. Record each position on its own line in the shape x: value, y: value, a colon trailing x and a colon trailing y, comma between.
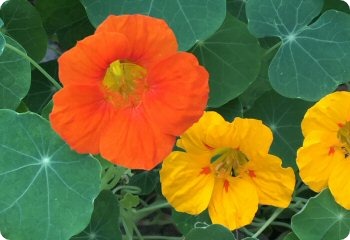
x: 191, y: 21
x: 214, y: 231
x: 14, y: 76
x: 48, y: 190
x: 313, y: 59
x: 232, y: 56
x: 2, y: 38
x: 186, y: 222
x: 321, y: 219
x: 23, y: 23
x: 104, y: 221
x: 283, y: 116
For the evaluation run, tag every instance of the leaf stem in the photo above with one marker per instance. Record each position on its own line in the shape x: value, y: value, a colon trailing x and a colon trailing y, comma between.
x: 271, y: 49
x: 36, y: 65
x: 153, y: 207
x: 268, y: 221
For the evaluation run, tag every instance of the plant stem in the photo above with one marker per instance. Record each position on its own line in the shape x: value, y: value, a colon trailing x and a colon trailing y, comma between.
x: 160, y: 237
x: 268, y: 221
x: 36, y: 65
x: 139, y: 235
x: 153, y: 207
x: 271, y: 49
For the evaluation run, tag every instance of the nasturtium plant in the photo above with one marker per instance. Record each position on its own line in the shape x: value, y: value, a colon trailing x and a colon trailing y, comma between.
x: 174, y: 119
x: 312, y: 60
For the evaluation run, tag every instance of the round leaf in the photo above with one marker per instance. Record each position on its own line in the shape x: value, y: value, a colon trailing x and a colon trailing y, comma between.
x: 145, y: 180
x: 14, y: 76
x: 191, y: 20
x: 231, y: 56
x: 214, y: 231
x: 186, y: 222
x: 313, y: 59
x: 283, y: 116
x: 104, y: 221
x: 23, y: 23
x: 321, y: 219
x: 2, y: 42
x: 291, y: 236
x: 49, y: 189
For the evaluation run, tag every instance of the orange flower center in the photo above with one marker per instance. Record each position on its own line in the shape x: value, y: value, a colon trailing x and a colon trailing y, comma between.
x: 344, y: 137
x: 124, y: 83
x: 229, y: 162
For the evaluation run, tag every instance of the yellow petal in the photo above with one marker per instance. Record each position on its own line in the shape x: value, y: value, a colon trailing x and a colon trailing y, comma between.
x: 194, y: 139
x: 339, y: 183
x: 316, y: 161
x: 187, y: 181
x: 234, y: 203
x: 274, y: 184
x: 328, y: 113
x: 254, y: 137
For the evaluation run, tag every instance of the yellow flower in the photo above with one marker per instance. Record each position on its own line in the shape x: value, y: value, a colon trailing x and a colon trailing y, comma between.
x: 323, y: 160
x: 226, y: 168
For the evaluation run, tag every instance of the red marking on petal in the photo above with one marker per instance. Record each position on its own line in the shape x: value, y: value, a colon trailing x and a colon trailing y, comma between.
x: 331, y: 151
x: 251, y: 173
x: 209, y: 147
x: 340, y: 125
x: 226, y: 185
x: 205, y: 170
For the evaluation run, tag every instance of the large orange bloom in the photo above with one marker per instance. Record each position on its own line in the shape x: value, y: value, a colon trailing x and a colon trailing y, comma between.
x: 127, y: 92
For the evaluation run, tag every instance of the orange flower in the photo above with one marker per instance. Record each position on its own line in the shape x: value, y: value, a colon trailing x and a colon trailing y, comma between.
x: 127, y: 92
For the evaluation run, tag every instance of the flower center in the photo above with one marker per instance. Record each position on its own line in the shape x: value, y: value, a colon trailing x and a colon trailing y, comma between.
x: 124, y: 83
x: 229, y: 162
x: 344, y: 137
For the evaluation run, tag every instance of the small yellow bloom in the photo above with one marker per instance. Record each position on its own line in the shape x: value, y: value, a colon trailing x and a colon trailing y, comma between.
x: 324, y: 160
x: 226, y: 168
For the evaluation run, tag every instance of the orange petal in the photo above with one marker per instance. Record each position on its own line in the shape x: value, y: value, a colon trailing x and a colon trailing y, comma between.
x: 178, y: 93
x: 339, y: 183
x: 151, y: 38
x: 234, y: 203
x: 78, y: 116
x: 274, y: 184
x: 131, y: 140
x: 87, y: 62
x: 187, y: 181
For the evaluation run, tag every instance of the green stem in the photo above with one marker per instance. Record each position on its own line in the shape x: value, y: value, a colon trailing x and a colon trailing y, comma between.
x: 36, y: 65
x: 268, y: 221
x: 131, y: 189
x: 139, y: 236
x: 271, y: 49
x: 153, y: 207
x: 161, y: 237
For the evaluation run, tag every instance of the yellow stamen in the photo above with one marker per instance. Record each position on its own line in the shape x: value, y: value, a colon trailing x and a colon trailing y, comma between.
x: 229, y: 162
x: 344, y: 137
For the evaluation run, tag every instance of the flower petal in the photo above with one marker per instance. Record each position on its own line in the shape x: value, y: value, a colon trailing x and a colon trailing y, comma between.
x: 178, y: 93
x: 328, y: 113
x: 317, y: 158
x: 273, y: 183
x: 234, y: 203
x: 339, y: 183
x: 187, y: 181
x: 132, y: 141
x: 87, y: 62
x: 152, y: 39
x: 253, y: 136
x: 79, y: 114
x: 197, y: 138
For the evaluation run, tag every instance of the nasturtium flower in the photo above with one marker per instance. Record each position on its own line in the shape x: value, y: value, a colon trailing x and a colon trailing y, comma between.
x: 226, y: 168
x: 127, y: 92
x: 324, y: 159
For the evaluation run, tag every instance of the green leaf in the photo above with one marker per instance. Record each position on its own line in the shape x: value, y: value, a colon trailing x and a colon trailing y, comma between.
x: 47, y: 110
x: 41, y: 90
x: 250, y: 238
x: 214, y: 231
x: 339, y: 5
x: 232, y: 56
x: 186, y: 222
x: 313, y: 59
x: 104, y: 221
x: 283, y: 116
x: 237, y: 8
x: 2, y: 43
x: 230, y: 110
x: 191, y: 21
x: 291, y: 236
x: 45, y: 184
x: 14, y: 76
x: 23, y: 23
x: 129, y: 201
x: 145, y: 180
x: 321, y: 219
